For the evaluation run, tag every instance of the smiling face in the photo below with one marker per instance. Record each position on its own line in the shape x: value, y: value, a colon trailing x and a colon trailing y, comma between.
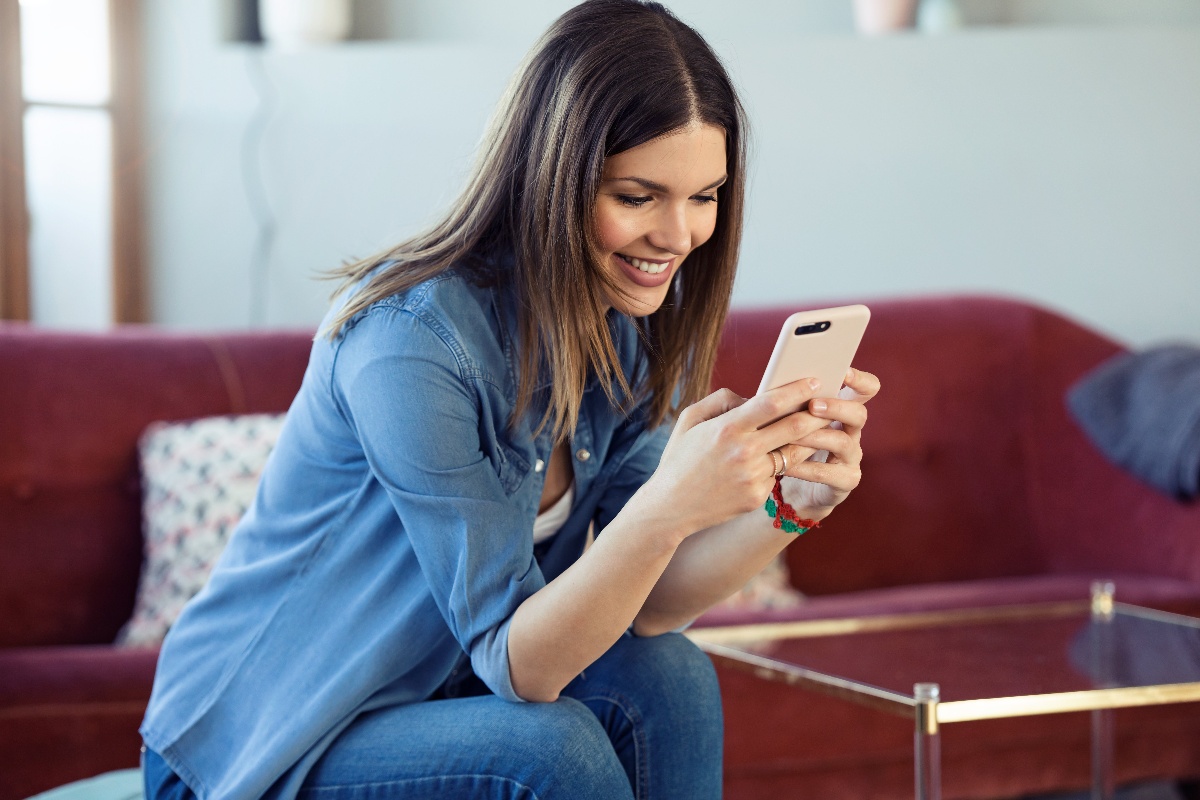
x: 657, y: 203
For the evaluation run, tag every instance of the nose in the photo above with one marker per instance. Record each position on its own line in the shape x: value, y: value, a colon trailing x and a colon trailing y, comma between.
x: 672, y: 231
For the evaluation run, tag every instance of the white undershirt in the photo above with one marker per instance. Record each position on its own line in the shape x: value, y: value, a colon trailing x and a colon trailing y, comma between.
x: 549, y: 521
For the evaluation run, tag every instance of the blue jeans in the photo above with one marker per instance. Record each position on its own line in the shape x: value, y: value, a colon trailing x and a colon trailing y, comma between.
x: 643, y: 721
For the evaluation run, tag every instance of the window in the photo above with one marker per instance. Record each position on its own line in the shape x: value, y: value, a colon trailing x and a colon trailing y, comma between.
x: 14, y: 273
x: 68, y: 129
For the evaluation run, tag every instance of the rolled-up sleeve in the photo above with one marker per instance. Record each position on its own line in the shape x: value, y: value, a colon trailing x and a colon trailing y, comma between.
x: 412, y: 398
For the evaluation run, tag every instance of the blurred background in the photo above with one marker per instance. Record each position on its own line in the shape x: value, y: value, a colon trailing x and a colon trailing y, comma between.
x: 179, y: 170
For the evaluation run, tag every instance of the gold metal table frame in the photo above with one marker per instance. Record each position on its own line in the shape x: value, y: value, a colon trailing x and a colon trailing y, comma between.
x: 736, y: 646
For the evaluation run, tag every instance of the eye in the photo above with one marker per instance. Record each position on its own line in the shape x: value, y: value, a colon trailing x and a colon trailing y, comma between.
x: 633, y: 201
x: 705, y: 199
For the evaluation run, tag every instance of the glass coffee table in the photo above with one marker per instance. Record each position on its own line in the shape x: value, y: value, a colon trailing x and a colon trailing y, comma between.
x: 988, y: 663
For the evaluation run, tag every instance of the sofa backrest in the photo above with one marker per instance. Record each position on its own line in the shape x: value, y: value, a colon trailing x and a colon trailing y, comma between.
x: 1090, y: 515
x: 71, y: 409
x: 972, y: 467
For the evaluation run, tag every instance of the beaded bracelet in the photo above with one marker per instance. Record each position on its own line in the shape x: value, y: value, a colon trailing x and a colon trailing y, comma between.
x: 786, y: 518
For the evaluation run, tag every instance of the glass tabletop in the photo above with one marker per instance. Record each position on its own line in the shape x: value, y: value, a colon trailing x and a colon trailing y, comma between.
x: 1061, y: 650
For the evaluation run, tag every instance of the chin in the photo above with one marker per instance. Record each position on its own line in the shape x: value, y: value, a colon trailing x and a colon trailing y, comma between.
x: 639, y: 304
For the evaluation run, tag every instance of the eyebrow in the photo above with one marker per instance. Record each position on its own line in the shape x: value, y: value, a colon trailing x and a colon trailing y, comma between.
x: 658, y: 187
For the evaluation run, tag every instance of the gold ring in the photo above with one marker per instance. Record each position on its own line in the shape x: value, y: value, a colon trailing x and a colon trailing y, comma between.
x: 783, y: 458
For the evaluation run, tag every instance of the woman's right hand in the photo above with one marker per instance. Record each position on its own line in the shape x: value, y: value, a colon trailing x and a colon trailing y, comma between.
x: 717, y: 463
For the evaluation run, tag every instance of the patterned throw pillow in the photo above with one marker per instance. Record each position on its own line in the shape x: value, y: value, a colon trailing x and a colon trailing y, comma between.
x: 198, y: 479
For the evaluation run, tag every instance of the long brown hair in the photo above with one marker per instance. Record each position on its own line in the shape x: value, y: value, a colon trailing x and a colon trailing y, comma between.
x: 607, y: 76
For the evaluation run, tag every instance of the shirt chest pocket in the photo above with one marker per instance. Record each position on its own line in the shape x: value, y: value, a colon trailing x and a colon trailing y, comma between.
x: 511, y: 466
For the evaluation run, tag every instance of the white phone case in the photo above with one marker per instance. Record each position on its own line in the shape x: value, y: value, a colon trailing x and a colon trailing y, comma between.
x: 817, y: 344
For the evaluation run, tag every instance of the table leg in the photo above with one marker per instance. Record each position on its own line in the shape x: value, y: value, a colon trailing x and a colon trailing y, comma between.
x: 1103, y: 786
x: 927, y: 745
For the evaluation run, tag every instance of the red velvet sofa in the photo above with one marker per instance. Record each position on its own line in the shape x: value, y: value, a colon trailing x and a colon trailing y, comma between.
x: 978, y: 490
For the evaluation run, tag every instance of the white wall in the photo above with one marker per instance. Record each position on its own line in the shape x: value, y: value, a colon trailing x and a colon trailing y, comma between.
x: 1059, y: 163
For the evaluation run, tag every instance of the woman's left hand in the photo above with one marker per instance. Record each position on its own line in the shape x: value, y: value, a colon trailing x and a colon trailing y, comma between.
x: 815, y: 486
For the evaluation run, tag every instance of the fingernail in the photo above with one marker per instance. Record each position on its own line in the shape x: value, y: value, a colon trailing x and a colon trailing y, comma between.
x: 814, y: 384
x: 849, y: 374
x: 819, y: 406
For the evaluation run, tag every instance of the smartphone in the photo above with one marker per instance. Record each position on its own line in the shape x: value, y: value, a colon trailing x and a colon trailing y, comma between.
x: 817, y: 344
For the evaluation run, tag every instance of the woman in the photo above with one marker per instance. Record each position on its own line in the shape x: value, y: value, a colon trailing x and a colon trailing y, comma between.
x: 474, y: 541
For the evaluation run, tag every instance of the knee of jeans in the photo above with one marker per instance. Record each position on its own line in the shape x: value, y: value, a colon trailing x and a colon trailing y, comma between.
x: 576, y: 749
x: 693, y: 664
x: 566, y: 719
x: 671, y: 666
x: 686, y: 662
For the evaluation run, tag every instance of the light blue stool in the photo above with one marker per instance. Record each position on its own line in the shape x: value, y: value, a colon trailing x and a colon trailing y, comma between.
x: 124, y: 784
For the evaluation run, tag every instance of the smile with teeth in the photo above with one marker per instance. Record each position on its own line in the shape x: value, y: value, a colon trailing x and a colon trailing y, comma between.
x: 652, y: 267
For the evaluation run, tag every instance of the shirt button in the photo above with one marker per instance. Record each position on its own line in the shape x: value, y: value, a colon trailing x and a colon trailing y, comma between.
x: 539, y: 465
x: 582, y: 455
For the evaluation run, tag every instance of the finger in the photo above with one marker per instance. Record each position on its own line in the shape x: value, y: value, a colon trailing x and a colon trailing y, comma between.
x: 841, y: 478
x: 771, y: 406
x: 795, y: 454
x: 850, y: 413
x: 859, y: 385
x: 791, y: 428
x: 842, y: 446
x: 776, y: 464
x: 714, y: 405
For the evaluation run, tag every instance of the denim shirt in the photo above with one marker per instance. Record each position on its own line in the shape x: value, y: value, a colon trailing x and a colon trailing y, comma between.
x: 389, y: 542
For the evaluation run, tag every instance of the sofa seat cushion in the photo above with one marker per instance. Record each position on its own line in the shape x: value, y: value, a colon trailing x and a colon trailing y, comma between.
x: 74, y: 677
x: 68, y: 713
x: 1169, y: 594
